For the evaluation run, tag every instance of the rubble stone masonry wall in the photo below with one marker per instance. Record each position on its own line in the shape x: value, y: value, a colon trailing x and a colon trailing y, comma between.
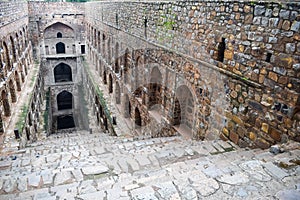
x: 246, y: 54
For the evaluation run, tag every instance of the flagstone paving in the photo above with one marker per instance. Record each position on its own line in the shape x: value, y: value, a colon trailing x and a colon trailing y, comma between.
x: 88, y: 166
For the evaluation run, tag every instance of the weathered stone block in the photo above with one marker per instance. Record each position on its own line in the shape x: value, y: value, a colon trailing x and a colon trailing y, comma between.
x: 295, y: 26
x: 286, y: 25
x: 283, y: 80
x: 261, y: 143
x: 247, y: 8
x: 225, y: 131
x: 228, y: 54
x: 257, y: 106
x: 252, y: 136
x: 233, y: 94
x: 234, y: 137
x: 237, y: 120
x: 265, y: 127
x: 273, y: 76
x: 259, y: 10
x: 275, y: 134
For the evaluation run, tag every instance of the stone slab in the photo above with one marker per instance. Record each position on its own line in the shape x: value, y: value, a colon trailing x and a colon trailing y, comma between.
x: 94, y: 170
x: 275, y: 171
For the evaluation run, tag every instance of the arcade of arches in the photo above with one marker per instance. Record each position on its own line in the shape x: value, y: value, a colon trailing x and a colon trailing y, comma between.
x: 209, y: 86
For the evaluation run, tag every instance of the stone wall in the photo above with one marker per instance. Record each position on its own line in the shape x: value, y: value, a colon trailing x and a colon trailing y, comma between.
x: 16, y: 63
x: 44, y: 14
x: 12, y: 11
x: 239, y: 59
x: 57, y: 31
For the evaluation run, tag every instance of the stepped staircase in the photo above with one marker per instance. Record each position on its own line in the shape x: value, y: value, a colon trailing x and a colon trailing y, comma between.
x: 81, y: 165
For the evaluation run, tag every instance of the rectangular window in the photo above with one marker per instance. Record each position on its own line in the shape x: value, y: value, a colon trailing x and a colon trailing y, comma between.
x: 82, y: 49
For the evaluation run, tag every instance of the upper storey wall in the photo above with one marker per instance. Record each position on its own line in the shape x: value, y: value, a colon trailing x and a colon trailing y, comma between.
x: 13, y: 14
x: 261, y: 40
x: 256, y: 45
x: 12, y: 10
x: 45, y: 14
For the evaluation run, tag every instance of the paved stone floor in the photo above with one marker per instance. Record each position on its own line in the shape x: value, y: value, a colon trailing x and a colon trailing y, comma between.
x: 97, y: 166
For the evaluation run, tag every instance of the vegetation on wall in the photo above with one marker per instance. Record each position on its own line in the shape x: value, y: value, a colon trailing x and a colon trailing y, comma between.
x: 99, y: 94
x: 22, y: 118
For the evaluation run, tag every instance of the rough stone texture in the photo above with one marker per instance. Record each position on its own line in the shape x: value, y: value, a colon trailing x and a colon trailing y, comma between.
x: 161, y: 57
x: 94, y: 170
x: 251, y: 71
x: 231, y: 174
x: 153, y: 69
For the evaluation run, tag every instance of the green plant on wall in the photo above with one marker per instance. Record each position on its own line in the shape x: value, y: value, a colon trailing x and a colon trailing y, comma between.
x: 166, y: 24
x: 22, y: 118
x: 99, y: 94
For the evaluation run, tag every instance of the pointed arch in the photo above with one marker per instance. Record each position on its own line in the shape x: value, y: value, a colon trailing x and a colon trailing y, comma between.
x: 137, y: 117
x: 64, y: 100
x: 155, y: 89
x: 59, y: 35
x: 126, y: 65
x: 99, y: 41
x: 13, y: 48
x: 18, y: 83
x: 104, y: 77
x: 127, y: 107
x: 138, y: 69
x: 110, y: 84
x: 12, y: 91
x: 118, y: 93
x: 184, y: 109
x: 62, y: 73
x: 5, y: 103
x: 65, y: 122
x: 60, y: 48
x: 52, y: 30
x: 6, y: 56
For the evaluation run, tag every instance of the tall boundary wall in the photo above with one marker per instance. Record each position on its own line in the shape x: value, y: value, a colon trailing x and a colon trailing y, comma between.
x: 258, y: 104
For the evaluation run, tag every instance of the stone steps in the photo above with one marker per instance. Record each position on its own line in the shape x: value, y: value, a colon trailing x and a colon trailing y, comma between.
x: 81, y: 157
x: 81, y: 165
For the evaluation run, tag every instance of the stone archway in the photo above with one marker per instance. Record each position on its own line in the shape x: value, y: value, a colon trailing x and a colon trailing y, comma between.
x: 126, y: 65
x: 12, y: 91
x: 64, y: 100
x: 183, y: 116
x: 110, y: 84
x: 18, y: 83
x: 5, y: 103
x: 177, y: 113
x: 62, y: 73
x: 27, y: 130
x: 6, y: 55
x: 137, y: 71
x: 3, y: 71
x: 137, y: 118
x: 13, y: 49
x: 104, y: 78
x: 59, y: 35
x: 155, y: 88
x: 127, y: 107
x: 118, y: 93
x: 60, y: 48
x: 65, y: 122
